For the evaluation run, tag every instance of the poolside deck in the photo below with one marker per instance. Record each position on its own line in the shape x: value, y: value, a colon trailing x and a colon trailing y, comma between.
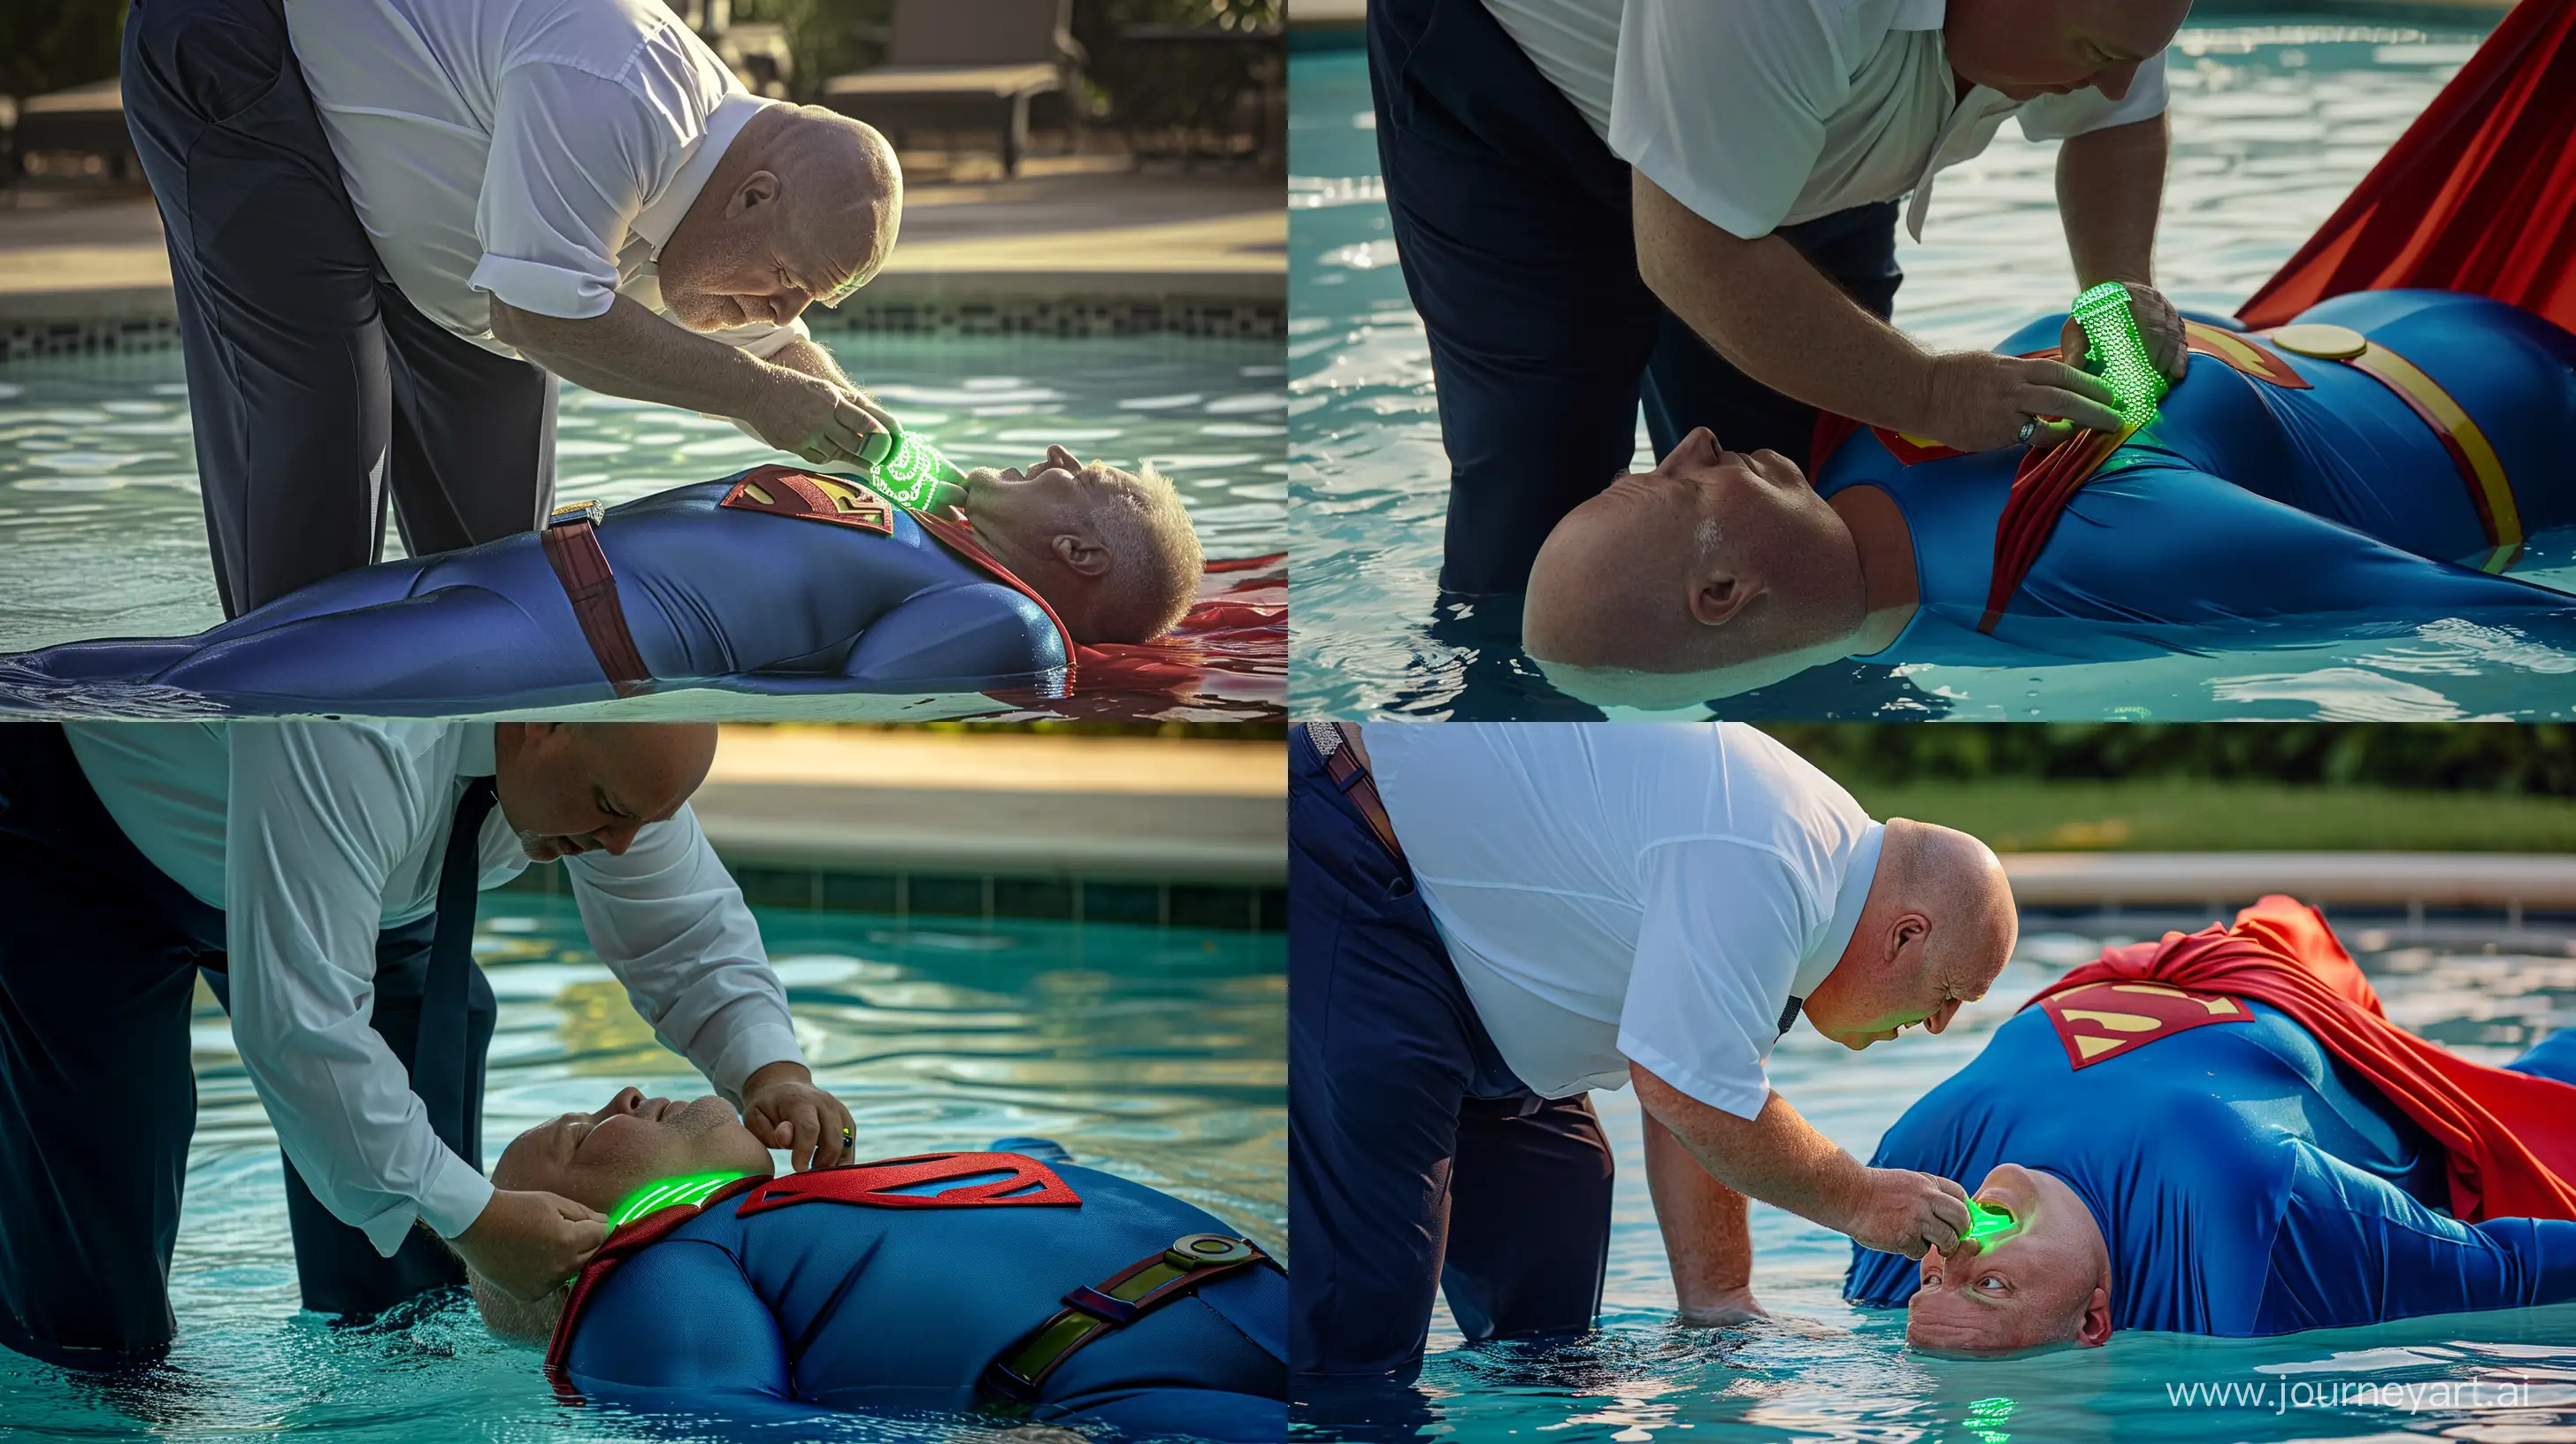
x: 2416, y: 881
x: 1017, y: 803
x: 1087, y: 226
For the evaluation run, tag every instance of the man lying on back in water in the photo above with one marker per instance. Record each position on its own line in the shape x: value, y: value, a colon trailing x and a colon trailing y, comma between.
x: 997, y: 1280
x: 774, y: 581
x: 2220, y: 1133
x: 2362, y: 487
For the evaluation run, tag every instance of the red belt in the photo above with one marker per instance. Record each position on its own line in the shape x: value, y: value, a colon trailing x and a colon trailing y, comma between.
x: 572, y: 546
x: 1342, y: 765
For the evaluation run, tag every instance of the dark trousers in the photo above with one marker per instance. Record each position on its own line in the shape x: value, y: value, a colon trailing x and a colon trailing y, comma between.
x: 99, y: 956
x: 1512, y: 222
x: 314, y: 389
x: 1416, y: 1160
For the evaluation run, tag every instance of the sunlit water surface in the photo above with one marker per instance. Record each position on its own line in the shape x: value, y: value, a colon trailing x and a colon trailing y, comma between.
x: 1154, y: 1054
x: 2273, y: 123
x: 1829, y: 1372
x: 102, y: 535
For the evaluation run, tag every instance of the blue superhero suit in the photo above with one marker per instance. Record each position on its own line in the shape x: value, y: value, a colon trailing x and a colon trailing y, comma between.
x: 2245, y: 1181
x: 2249, y: 514
x: 828, y: 1307
x: 713, y: 595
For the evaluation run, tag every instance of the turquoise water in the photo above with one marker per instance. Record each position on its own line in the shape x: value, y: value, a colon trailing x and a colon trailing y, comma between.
x: 1155, y: 1054
x: 101, y: 532
x: 2272, y: 125
x: 1827, y: 1372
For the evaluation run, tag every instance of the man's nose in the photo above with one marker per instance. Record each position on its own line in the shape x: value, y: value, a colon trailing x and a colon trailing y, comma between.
x: 2115, y: 81
x: 626, y: 1101
x: 615, y: 840
x: 787, y: 306
x: 1058, y: 456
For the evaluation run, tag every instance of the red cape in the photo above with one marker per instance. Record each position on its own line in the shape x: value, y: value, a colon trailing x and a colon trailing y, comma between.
x: 2478, y: 195
x: 2511, y: 1136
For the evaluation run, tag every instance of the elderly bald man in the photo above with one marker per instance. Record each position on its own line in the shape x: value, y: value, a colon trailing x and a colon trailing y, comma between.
x: 1599, y: 202
x: 1488, y: 921
x: 322, y: 876
x: 392, y: 225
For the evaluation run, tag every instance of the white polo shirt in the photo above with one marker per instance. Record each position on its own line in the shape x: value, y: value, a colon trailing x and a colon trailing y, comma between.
x: 541, y: 151
x: 311, y: 837
x: 1620, y: 891
x: 1762, y: 113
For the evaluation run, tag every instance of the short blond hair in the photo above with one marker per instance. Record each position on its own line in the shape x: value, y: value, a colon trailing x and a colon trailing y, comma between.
x: 1155, y: 560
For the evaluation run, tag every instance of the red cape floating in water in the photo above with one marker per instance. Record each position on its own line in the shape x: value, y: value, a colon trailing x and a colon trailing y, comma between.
x: 2478, y: 195
x: 1228, y: 658
x: 2511, y: 1136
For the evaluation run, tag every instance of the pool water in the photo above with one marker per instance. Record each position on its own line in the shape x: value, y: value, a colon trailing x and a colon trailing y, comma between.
x: 1827, y: 1372
x: 102, y: 534
x: 2273, y: 123
x: 1155, y: 1054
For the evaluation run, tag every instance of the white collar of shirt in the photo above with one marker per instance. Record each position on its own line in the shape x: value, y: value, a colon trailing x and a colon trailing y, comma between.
x: 476, y: 750
x: 1858, y: 874
x: 1920, y: 14
x: 661, y: 215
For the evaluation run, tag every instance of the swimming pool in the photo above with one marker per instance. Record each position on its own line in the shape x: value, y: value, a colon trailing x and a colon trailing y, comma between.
x: 1843, y: 1374
x: 1158, y: 1054
x: 2272, y: 125
x: 101, y: 532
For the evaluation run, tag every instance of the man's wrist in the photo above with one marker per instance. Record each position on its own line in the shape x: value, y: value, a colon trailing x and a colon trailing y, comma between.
x: 785, y: 1070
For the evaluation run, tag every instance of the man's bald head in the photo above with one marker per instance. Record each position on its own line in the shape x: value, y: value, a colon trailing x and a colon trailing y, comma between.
x: 2030, y: 48
x: 804, y: 207
x: 574, y: 787
x: 1716, y: 572
x: 1938, y: 926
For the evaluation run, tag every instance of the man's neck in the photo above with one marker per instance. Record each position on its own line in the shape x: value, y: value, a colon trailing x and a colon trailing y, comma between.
x: 1884, y: 544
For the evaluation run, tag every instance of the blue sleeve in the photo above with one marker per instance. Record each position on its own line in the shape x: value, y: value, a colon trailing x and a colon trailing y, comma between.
x: 983, y: 632
x: 2159, y: 547
x: 678, y: 1326
x: 2355, y: 1249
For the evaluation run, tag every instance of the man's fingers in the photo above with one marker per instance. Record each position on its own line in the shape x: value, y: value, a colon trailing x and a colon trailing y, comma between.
x: 2081, y: 410
x: 2050, y: 433
x: 809, y: 1128
x: 2057, y: 376
x: 2071, y: 344
x: 835, y: 1150
x: 1952, y: 1187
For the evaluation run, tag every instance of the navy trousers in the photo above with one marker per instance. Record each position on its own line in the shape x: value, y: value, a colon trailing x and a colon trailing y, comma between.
x: 1416, y: 1160
x: 314, y: 389
x: 1513, y: 226
x: 99, y: 956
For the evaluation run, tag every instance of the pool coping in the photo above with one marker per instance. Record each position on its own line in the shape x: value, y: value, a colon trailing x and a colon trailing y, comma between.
x: 2415, y: 881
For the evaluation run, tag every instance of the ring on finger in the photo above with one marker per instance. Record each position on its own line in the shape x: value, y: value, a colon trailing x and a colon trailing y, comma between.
x: 2029, y: 429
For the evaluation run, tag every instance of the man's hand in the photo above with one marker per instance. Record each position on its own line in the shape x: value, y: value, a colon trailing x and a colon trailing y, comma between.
x: 1901, y: 1211
x: 782, y: 1108
x: 2159, y: 325
x: 814, y: 419
x: 1979, y: 400
x: 528, y: 1243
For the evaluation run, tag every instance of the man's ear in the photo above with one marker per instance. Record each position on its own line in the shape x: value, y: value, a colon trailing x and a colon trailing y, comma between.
x: 1084, y: 554
x: 1906, y: 933
x: 2094, y: 1329
x: 757, y: 189
x: 1714, y: 600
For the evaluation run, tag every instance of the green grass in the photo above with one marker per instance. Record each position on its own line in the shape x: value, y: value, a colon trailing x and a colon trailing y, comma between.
x: 2181, y: 815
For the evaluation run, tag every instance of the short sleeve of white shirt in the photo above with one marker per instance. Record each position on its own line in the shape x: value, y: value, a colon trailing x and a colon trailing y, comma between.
x: 1724, y: 105
x: 2057, y: 117
x: 1713, y: 966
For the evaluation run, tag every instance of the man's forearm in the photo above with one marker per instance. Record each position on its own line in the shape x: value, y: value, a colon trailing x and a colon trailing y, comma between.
x: 1706, y: 1234
x: 629, y: 351
x: 1784, y: 323
x: 2110, y: 184
x: 1776, y: 1156
x: 813, y: 360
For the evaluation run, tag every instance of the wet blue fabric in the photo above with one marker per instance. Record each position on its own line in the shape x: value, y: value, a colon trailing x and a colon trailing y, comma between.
x: 714, y: 596
x: 2245, y: 1181
x: 1418, y: 1163
x: 2252, y: 515
x: 829, y: 1307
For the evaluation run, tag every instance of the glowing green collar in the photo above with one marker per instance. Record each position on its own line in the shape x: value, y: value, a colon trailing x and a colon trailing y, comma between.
x: 1987, y: 1222
x: 910, y: 470
x: 668, y: 1192
x: 2116, y: 352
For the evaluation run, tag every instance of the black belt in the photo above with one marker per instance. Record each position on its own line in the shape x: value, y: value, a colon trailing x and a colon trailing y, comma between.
x: 1190, y: 1264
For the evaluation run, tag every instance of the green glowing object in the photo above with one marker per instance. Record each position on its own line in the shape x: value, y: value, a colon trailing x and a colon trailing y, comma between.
x: 910, y: 470
x: 1987, y: 1418
x: 2116, y: 352
x: 1987, y: 1222
x: 669, y: 1191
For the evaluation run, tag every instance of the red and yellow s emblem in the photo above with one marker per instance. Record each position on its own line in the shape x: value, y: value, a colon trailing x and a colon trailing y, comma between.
x: 2104, y: 1020
x: 782, y: 492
